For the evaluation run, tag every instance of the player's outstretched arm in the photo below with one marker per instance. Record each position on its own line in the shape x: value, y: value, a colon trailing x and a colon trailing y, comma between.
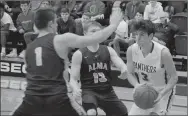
x: 130, y: 68
x: 75, y: 41
x: 75, y: 71
x: 169, y: 66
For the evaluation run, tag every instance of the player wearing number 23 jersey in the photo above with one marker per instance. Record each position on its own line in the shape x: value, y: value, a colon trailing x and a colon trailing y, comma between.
x: 150, y: 62
x: 93, y: 65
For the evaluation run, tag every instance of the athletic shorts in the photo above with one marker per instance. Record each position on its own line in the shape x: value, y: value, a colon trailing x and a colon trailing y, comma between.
x: 107, y: 101
x: 161, y: 108
x: 56, y: 105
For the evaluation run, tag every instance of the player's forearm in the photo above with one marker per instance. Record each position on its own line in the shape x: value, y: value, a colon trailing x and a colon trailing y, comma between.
x: 123, y: 68
x: 73, y: 83
x: 132, y: 79
x: 170, y: 85
x: 104, y: 34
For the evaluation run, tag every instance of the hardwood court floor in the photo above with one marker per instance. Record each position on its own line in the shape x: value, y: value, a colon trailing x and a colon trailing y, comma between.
x: 10, y: 98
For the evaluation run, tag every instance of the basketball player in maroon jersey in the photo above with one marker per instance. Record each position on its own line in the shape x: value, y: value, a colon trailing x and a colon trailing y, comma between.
x: 92, y: 66
x: 46, y: 92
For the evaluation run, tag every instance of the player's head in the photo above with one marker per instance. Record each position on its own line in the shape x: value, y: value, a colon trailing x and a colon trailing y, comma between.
x: 25, y: 5
x: 45, y: 4
x: 2, y: 9
x: 145, y: 32
x: 92, y: 27
x: 65, y: 14
x: 45, y: 19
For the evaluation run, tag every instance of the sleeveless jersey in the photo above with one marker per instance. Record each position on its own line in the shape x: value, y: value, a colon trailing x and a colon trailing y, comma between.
x: 95, y: 69
x: 149, y: 69
x: 44, y: 68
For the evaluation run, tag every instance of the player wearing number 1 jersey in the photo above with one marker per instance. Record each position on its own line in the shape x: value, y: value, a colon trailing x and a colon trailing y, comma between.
x: 46, y: 57
x: 151, y: 63
x: 92, y: 65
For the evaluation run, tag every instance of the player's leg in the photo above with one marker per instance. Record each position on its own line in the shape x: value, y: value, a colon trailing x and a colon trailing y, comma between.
x: 111, y: 105
x: 59, y: 105
x: 30, y: 105
x: 89, y: 102
x: 163, y: 107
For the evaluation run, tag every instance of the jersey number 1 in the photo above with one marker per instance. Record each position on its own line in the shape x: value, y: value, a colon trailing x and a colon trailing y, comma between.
x: 38, y: 54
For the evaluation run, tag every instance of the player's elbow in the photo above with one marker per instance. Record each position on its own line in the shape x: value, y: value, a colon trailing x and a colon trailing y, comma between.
x: 123, y: 68
x: 175, y: 78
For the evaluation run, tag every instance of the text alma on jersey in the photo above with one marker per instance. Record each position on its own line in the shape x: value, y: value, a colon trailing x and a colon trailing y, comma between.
x: 95, y: 66
x: 146, y: 68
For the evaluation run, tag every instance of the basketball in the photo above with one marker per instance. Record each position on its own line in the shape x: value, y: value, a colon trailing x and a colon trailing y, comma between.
x: 144, y: 96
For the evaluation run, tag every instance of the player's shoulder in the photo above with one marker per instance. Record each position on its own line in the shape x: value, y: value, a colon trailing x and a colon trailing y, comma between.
x: 132, y: 47
x: 158, y: 47
x: 106, y: 48
x: 77, y: 55
x: 110, y: 48
x: 165, y: 52
x: 83, y: 50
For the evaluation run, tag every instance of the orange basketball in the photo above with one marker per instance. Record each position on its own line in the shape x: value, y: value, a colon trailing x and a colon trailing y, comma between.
x: 144, y: 96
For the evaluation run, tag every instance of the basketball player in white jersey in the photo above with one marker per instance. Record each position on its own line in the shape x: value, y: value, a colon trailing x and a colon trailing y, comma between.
x: 151, y: 63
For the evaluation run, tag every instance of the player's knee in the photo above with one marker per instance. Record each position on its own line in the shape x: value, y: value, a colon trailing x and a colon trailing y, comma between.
x: 92, y: 112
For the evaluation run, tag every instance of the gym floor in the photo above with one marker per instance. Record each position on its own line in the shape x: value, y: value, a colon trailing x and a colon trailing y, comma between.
x: 10, y: 98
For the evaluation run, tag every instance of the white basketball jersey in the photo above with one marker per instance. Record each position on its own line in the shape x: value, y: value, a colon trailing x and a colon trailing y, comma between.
x: 149, y: 69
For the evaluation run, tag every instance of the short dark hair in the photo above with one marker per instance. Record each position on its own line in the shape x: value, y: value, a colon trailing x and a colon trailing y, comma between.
x: 90, y: 24
x: 146, y: 26
x: 24, y: 2
x: 2, y: 6
x: 65, y: 10
x: 43, y: 16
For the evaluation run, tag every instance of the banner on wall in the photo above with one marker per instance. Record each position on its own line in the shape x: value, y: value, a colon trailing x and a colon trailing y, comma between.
x: 13, y: 68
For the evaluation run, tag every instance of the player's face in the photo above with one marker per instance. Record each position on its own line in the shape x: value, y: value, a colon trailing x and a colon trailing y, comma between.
x: 53, y: 25
x: 92, y: 30
x: 24, y: 7
x: 142, y: 38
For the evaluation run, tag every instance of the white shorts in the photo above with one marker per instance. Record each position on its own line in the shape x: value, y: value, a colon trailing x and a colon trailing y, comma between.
x: 161, y: 108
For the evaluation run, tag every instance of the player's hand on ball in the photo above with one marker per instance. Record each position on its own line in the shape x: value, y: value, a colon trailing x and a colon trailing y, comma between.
x: 136, y: 86
x: 158, y: 98
x: 123, y: 75
x: 116, y: 17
